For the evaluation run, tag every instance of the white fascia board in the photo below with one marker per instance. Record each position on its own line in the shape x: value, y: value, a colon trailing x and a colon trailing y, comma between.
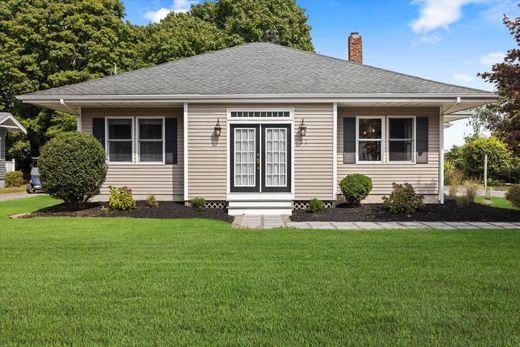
x: 321, y: 97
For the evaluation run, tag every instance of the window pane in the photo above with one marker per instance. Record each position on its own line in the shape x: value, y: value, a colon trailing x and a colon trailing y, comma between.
x: 120, y: 151
x: 120, y: 129
x: 401, y: 128
x: 150, y: 129
x: 369, y: 128
x: 369, y: 151
x: 400, y: 150
x: 151, y: 151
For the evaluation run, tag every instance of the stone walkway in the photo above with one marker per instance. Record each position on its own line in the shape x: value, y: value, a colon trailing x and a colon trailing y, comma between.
x: 276, y: 221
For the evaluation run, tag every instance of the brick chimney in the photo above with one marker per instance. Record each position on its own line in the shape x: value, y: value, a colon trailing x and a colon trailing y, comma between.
x: 355, y: 48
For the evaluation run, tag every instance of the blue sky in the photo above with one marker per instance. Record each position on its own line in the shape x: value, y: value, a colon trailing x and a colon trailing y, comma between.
x: 445, y: 40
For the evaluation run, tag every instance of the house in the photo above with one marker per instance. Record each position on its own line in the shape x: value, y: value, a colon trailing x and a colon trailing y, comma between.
x: 264, y: 128
x: 7, y: 124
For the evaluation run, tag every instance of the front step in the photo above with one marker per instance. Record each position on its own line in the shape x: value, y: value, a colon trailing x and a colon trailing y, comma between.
x: 264, y: 207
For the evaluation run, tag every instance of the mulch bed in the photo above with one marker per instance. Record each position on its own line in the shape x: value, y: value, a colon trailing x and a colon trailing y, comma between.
x: 449, y: 212
x: 166, y: 210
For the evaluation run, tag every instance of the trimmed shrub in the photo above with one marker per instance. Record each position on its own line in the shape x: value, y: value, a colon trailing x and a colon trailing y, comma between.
x: 471, y: 190
x: 152, y: 201
x: 198, y: 204
x: 355, y: 188
x: 13, y: 179
x: 462, y: 201
x: 72, y: 167
x: 316, y: 205
x: 513, y: 195
x: 121, y: 199
x: 403, y: 199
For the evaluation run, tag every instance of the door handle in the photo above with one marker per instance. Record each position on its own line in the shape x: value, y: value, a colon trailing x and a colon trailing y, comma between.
x: 257, y: 163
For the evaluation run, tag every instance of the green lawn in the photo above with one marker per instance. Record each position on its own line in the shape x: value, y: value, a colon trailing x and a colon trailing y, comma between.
x: 495, y: 202
x: 87, y: 281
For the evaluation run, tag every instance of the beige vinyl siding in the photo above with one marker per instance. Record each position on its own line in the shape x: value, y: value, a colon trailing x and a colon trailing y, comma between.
x: 424, y: 177
x: 207, y: 170
x: 166, y: 182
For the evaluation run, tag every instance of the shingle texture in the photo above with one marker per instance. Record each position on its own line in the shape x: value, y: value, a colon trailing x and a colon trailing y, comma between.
x: 258, y: 68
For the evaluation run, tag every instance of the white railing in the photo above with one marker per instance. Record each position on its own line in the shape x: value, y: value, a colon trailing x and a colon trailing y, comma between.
x: 10, y: 165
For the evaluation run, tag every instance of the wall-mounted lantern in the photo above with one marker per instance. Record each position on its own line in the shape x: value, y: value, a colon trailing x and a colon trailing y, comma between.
x: 218, y: 128
x: 303, y: 128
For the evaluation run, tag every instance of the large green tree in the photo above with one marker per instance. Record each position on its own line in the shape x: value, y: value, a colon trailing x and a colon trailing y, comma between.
x: 51, y: 43
x: 277, y: 21
x: 183, y: 35
x: 503, y: 118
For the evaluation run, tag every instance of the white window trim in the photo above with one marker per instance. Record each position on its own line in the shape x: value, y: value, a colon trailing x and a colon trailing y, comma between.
x: 414, y: 141
x: 382, y: 140
x: 138, y: 142
x: 256, y: 119
x: 107, y: 141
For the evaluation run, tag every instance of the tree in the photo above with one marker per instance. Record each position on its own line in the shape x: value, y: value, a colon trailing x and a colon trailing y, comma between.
x: 73, y: 167
x: 183, y: 35
x: 278, y: 21
x: 503, y: 118
x: 51, y: 43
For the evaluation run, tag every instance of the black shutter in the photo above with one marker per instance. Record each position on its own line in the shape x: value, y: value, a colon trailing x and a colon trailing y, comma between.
x: 421, y: 133
x: 171, y: 140
x: 98, y: 129
x: 349, y: 140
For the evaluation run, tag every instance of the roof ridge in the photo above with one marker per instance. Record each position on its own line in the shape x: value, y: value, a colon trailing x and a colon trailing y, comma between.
x: 375, y: 67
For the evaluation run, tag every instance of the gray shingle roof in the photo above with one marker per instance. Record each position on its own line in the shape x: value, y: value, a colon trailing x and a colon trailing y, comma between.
x: 258, y: 68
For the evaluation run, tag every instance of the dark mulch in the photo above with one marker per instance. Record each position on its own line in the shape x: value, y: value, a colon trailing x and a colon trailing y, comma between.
x: 449, y: 212
x: 166, y: 210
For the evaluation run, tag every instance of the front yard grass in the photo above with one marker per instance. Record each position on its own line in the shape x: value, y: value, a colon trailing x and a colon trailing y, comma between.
x: 120, y: 281
x: 495, y: 202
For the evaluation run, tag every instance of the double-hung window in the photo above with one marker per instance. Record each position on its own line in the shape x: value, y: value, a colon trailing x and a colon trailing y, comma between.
x: 401, y: 139
x: 369, y: 139
x: 151, y: 140
x: 120, y: 140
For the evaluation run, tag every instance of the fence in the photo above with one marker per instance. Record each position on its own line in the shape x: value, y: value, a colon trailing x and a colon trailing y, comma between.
x: 10, y: 166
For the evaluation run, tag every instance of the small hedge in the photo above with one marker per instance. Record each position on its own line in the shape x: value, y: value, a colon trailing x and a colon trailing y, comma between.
x: 72, y: 167
x: 355, y: 188
x: 316, y: 205
x: 513, y: 195
x: 121, y: 199
x: 403, y: 199
x: 152, y: 201
x: 13, y: 179
x: 198, y: 204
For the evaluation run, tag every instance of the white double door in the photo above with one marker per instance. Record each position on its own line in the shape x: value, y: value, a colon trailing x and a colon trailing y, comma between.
x: 260, y: 158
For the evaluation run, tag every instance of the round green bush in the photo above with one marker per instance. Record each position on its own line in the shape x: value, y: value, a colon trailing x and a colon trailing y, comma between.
x: 121, y: 199
x: 513, y: 195
x: 73, y: 167
x: 316, y: 205
x: 13, y: 179
x: 355, y: 188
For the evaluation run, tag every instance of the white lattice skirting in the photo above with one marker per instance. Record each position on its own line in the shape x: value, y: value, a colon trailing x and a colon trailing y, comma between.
x: 304, y: 204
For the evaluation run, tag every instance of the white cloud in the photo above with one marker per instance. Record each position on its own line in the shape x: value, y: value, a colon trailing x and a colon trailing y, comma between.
x: 497, y: 8
x: 492, y: 58
x: 437, y: 14
x: 463, y: 77
x: 178, y: 6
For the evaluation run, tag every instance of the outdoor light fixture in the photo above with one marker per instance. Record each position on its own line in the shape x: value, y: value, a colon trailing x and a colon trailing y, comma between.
x: 303, y: 128
x: 218, y: 128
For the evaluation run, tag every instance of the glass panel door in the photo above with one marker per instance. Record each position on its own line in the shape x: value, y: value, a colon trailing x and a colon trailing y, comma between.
x: 244, y: 158
x: 276, y: 158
